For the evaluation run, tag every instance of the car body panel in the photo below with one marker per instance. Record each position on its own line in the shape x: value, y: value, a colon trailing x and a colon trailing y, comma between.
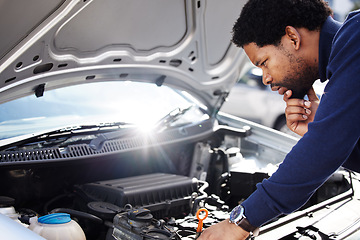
x: 197, y: 56
x: 167, y: 63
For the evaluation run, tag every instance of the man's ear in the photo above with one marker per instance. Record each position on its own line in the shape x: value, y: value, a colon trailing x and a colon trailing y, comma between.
x: 294, y: 36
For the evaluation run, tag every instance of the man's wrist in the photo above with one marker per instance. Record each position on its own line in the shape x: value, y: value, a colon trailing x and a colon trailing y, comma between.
x: 238, y: 231
x: 238, y: 218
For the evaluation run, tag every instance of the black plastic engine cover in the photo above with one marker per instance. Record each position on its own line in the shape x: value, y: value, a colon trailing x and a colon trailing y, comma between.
x: 163, y: 194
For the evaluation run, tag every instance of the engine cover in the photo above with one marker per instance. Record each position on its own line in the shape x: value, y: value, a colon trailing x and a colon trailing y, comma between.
x: 163, y: 194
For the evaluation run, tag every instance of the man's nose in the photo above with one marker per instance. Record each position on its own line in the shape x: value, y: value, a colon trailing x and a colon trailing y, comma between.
x: 267, y: 79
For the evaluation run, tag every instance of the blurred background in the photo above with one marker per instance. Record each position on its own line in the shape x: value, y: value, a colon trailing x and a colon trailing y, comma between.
x: 342, y: 7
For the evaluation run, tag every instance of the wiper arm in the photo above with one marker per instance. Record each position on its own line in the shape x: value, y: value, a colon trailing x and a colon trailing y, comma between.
x: 97, y: 143
x: 171, y: 117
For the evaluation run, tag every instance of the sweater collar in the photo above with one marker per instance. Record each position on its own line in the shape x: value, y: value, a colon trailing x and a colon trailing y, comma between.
x: 327, y: 34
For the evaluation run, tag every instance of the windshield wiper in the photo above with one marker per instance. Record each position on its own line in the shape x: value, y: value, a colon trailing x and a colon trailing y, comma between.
x: 97, y: 143
x: 171, y: 117
x: 64, y: 132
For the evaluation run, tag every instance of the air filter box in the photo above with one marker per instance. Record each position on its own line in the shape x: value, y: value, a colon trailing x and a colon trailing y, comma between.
x: 163, y: 194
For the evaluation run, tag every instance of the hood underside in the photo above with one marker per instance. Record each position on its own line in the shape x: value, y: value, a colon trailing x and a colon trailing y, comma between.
x: 179, y: 43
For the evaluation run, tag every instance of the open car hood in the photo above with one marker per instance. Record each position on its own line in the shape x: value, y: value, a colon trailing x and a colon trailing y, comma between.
x: 179, y: 43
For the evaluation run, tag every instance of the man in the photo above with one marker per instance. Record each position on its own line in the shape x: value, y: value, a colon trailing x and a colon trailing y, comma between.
x: 296, y: 42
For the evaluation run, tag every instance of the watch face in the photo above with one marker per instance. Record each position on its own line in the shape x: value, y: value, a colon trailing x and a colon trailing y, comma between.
x: 236, y: 214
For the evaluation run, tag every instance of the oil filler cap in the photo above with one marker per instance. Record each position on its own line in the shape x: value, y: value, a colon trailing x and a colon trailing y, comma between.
x: 104, y: 210
x: 140, y: 214
x: 55, y: 218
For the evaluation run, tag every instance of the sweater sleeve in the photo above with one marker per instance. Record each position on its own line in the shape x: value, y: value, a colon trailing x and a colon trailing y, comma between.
x: 330, y: 140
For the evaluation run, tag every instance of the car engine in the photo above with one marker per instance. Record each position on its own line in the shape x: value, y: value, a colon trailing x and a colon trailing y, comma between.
x: 154, y: 193
x: 153, y: 206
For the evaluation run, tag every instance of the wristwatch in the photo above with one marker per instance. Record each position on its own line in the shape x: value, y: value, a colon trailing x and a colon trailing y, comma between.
x: 237, y: 217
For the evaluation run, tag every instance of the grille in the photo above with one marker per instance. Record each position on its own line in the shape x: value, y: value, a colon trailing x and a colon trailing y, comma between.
x: 110, y: 146
x: 71, y: 151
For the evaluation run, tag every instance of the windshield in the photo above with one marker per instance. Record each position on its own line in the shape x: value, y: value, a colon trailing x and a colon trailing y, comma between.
x: 140, y: 104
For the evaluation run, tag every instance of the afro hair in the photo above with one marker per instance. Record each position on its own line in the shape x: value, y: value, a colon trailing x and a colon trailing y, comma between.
x: 263, y: 22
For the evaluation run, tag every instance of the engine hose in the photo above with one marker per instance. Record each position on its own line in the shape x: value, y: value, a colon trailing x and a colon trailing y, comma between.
x: 224, y: 159
x: 78, y: 214
x: 198, y: 199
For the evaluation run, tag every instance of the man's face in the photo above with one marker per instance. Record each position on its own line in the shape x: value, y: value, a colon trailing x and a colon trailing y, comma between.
x: 283, y: 68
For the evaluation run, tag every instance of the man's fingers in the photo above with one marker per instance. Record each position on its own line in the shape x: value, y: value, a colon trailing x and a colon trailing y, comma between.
x: 295, y: 113
x: 312, y: 95
x: 282, y: 91
x: 298, y: 102
x: 287, y: 95
x: 295, y: 109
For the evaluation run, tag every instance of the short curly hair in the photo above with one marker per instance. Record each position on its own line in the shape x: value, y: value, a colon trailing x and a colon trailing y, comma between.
x: 263, y: 22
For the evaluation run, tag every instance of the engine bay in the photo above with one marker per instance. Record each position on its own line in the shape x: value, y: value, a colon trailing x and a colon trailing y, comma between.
x: 152, y: 206
x: 151, y: 193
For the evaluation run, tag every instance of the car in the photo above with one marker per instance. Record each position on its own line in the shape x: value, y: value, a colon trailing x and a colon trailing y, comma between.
x: 110, y: 126
x: 252, y: 100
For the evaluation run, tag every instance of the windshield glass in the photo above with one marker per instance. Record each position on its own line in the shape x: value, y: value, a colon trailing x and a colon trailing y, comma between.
x: 140, y: 104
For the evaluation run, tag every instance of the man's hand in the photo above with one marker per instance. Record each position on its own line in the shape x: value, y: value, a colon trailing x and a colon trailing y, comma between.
x: 299, y: 112
x: 224, y: 230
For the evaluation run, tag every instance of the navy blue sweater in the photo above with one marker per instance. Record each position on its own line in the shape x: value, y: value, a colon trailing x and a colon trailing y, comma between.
x: 332, y: 139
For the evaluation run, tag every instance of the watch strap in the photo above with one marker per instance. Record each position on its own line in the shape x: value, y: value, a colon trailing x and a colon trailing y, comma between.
x: 238, y: 218
x: 245, y: 224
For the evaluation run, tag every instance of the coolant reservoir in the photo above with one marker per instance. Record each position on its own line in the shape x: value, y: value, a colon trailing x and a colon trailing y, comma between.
x: 7, y: 209
x: 10, y: 212
x: 57, y: 226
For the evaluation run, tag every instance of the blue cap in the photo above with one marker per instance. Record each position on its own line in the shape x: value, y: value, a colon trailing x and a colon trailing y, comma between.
x: 55, y: 218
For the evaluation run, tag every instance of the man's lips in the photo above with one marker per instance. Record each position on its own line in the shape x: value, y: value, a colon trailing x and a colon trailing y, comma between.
x: 280, y: 90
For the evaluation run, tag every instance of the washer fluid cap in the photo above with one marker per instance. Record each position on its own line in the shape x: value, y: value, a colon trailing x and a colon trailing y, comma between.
x: 55, y: 218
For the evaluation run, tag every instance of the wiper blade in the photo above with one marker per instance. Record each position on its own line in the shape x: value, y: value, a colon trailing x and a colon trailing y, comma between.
x: 171, y: 117
x: 80, y: 129
x: 61, y: 132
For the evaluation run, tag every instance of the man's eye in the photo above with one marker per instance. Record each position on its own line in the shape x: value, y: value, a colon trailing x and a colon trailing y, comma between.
x: 264, y: 63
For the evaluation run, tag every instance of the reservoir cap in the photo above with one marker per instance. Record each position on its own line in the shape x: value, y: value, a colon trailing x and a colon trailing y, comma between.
x: 55, y: 218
